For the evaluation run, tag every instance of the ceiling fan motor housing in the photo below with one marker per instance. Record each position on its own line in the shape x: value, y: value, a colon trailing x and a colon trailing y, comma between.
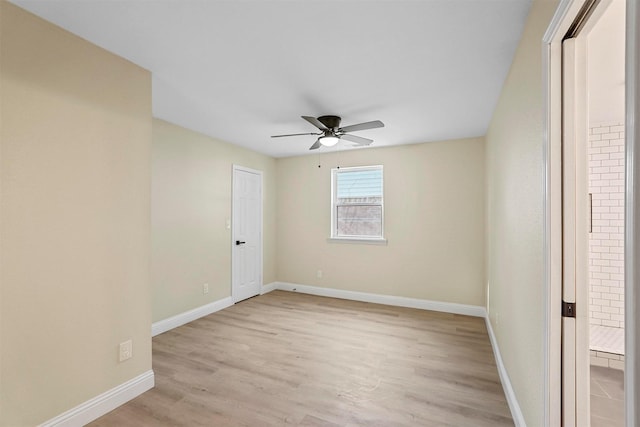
x: 331, y: 122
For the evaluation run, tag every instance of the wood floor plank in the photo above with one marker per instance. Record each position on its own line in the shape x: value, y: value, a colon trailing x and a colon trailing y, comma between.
x: 291, y: 359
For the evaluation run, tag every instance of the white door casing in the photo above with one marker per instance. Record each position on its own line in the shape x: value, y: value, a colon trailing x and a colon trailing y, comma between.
x: 246, y: 236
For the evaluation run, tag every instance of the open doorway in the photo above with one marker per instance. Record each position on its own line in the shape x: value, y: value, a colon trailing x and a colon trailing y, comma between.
x: 605, y: 61
x: 568, y: 210
x: 593, y: 174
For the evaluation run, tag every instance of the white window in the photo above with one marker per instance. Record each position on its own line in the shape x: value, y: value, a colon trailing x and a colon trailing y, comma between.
x: 357, y: 203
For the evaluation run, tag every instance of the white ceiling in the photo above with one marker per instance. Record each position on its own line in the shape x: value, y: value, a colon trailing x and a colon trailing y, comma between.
x: 241, y: 70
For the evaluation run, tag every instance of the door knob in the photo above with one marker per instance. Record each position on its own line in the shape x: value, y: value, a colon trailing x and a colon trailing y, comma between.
x: 238, y: 243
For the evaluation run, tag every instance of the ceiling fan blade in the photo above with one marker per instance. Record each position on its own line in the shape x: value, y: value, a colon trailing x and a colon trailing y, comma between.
x: 315, y: 145
x: 357, y: 139
x: 362, y: 126
x: 315, y: 122
x: 294, y: 134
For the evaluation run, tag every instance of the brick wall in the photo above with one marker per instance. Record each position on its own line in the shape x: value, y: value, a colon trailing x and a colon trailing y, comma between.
x: 606, y: 242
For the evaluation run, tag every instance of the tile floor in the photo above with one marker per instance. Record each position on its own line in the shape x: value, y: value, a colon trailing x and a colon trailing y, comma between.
x: 607, y: 397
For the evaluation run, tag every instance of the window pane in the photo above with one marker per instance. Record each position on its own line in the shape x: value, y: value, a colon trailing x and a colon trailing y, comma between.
x: 359, y: 184
x: 359, y: 220
x: 357, y: 202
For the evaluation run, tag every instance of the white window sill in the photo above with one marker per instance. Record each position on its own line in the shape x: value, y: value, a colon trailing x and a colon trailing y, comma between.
x: 358, y: 240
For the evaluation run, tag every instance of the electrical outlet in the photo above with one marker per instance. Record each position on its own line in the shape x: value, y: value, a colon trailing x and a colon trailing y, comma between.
x: 126, y: 350
x: 205, y: 288
x: 319, y: 274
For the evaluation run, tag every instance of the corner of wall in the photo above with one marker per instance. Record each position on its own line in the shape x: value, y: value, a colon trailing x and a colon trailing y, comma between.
x: 192, y: 215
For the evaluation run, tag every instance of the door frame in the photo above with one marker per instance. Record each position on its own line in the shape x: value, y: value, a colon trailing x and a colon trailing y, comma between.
x: 238, y: 168
x: 632, y: 215
x: 552, y: 116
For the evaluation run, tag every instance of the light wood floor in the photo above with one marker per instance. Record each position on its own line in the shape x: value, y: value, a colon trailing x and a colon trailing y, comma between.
x: 292, y: 359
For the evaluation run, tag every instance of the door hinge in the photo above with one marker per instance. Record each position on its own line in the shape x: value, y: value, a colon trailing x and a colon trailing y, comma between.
x: 568, y: 309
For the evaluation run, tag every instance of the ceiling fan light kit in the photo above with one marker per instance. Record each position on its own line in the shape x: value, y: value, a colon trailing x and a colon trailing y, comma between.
x: 329, y: 141
x: 331, y: 132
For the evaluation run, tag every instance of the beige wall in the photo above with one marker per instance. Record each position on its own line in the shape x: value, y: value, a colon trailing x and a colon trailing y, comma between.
x: 434, y: 223
x: 75, y: 194
x: 515, y: 268
x: 191, y: 202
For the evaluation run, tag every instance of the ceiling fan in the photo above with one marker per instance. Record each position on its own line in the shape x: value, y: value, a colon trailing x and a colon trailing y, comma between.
x: 332, y: 132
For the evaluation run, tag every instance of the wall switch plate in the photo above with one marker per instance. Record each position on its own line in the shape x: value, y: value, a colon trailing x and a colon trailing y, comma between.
x: 205, y: 288
x: 319, y: 274
x: 126, y: 350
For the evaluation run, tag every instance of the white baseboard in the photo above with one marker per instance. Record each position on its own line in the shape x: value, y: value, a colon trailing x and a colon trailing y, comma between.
x: 189, y: 316
x: 106, y: 402
x: 447, y: 307
x: 268, y: 288
x: 516, y: 412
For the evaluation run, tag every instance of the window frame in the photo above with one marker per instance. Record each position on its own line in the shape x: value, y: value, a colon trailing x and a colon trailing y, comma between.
x: 334, y: 208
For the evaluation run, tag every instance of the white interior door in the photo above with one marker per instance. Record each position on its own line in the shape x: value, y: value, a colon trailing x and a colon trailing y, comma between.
x: 246, y: 261
x: 575, y: 289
